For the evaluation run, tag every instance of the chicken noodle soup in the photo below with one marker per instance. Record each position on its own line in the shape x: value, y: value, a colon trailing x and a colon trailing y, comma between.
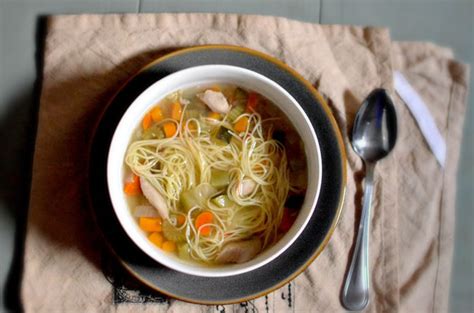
x: 215, y: 174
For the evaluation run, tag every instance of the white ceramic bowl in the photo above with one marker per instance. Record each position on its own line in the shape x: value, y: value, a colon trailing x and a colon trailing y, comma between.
x: 205, y: 75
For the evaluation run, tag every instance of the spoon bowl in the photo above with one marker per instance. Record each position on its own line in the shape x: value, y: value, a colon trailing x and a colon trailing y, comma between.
x: 375, y: 127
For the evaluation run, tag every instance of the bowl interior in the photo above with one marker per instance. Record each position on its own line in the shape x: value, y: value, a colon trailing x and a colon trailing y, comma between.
x: 206, y: 75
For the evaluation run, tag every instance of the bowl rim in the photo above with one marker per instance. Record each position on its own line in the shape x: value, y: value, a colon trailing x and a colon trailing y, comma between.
x: 161, y: 257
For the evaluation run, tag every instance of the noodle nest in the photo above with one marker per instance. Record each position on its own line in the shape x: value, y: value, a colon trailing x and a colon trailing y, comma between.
x: 186, y: 160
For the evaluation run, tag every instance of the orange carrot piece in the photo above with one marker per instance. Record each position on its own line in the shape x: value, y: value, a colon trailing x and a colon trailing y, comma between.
x: 146, y: 122
x: 169, y: 246
x: 132, y: 188
x: 176, y: 111
x: 215, y: 115
x: 156, y: 238
x: 201, y: 219
x: 252, y: 102
x: 170, y: 129
x: 156, y: 114
x: 241, y: 124
x: 152, y: 224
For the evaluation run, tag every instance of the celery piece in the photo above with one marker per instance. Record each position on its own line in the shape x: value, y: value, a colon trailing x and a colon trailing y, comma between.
x: 188, y: 199
x: 184, y: 252
x: 196, y: 196
x: 153, y: 132
x: 239, y: 103
x: 219, y: 179
x: 172, y: 233
x: 236, y: 111
x: 222, y: 201
x: 192, y: 113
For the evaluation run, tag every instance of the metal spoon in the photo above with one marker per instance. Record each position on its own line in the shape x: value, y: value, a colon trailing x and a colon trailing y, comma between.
x: 373, y: 136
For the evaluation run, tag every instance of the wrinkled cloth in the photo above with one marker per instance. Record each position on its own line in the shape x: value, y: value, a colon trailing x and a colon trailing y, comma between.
x: 87, y: 57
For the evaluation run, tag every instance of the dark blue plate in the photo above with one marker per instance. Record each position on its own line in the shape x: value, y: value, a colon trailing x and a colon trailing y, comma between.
x: 264, y: 279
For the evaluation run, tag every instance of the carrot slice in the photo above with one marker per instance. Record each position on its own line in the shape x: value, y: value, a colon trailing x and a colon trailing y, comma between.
x: 241, y: 124
x: 132, y: 188
x: 156, y: 114
x: 146, y: 122
x: 156, y: 238
x: 152, y: 224
x: 202, y: 219
x: 215, y: 115
x: 176, y: 111
x: 252, y: 102
x: 170, y: 129
x: 169, y: 246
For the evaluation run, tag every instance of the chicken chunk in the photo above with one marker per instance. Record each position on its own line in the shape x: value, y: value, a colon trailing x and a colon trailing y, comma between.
x: 154, y: 197
x: 215, y: 100
x: 239, y: 251
x: 246, y: 187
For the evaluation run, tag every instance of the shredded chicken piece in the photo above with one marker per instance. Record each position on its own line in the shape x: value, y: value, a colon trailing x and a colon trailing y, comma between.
x: 154, y: 197
x: 246, y: 187
x: 215, y: 100
x: 239, y: 251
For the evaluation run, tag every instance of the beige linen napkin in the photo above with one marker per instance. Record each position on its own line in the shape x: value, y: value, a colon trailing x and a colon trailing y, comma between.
x: 87, y: 57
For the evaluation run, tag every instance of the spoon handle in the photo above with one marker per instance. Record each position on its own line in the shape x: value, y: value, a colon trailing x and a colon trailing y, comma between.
x: 355, y: 294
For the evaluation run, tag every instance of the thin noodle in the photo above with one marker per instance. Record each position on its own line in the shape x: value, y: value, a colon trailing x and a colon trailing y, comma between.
x: 176, y: 164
